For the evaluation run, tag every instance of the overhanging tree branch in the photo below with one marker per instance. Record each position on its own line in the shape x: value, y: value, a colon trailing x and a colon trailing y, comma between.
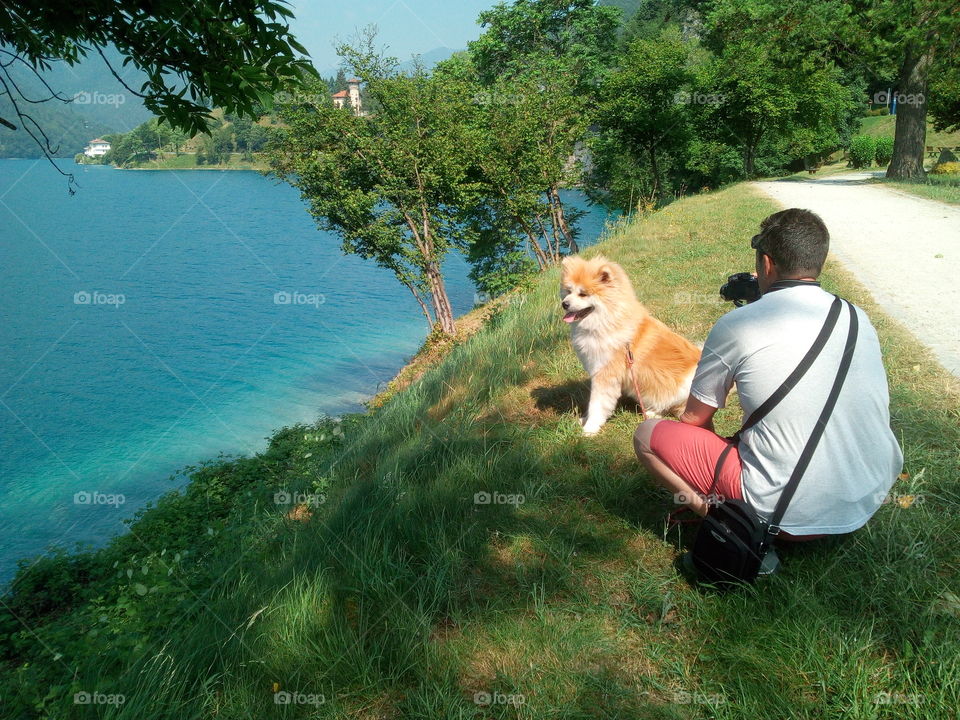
x: 26, y: 121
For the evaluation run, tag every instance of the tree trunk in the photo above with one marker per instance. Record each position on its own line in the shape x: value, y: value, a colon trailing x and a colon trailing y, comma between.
x: 554, y: 223
x: 749, y: 160
x: 552, y: 253
x: 441, y: 301
x: 423, y: 305
x: 655, y: 171
x: 556, y: 236
x: 911, y: 129
x: 538, y: 253
x: 562, y: 221
x: 438, y: 291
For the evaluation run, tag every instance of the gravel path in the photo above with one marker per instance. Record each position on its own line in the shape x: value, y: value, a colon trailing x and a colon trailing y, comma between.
x: 904, y: 249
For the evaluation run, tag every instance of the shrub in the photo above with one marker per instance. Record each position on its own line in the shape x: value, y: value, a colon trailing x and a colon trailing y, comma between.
x: 947, y: 168
x: 862, y: 151
x: 883, y: 150
x: 48, y: 584
x: 878, y: 111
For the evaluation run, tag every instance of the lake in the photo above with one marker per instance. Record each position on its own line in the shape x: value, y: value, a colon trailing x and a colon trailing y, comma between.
x: 159, y: 318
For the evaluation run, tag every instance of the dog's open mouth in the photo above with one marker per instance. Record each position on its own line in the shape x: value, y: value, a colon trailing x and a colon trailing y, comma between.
x: 579, y: 315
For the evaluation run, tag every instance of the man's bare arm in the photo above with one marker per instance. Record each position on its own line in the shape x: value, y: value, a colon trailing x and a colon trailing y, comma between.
x: 698, y: 413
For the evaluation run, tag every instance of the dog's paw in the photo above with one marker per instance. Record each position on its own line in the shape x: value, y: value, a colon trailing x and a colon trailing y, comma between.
x: 590, y: 430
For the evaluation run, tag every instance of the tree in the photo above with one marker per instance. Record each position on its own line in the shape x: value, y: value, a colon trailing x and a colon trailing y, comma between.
x: 547, y: 58
x: 221, y: 143
x: 887, y: 40
x: 135, y: 146
x: 777, y: 71
x: 653, y: 16
x: 393, y: 183
x: 516, y: 125
x: 945, y: 100
x: 927, y: 32
x: 338, y: 83
x: 644, y: 103
x: 233, y: 54
x: 579, y: 33
x: 248, y: 137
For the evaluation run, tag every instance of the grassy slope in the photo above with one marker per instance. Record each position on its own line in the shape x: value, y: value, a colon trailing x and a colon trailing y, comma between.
x: 884, y: 126
x: 945, y: 188
x: 402, y: 597
x: 935, y: 187
x: 188, y: 161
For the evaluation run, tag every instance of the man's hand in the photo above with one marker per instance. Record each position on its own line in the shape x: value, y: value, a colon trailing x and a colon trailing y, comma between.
x: 698, y: 413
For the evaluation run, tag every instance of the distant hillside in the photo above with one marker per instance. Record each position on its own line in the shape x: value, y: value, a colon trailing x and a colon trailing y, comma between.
x: 100, y: 105
x: 429, y: 58
x: 628, y: 7
x: 68, y: 130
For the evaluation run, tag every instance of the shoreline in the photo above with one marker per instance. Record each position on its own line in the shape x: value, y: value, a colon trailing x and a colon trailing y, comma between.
x: 431, y: 352
x: 434, y: 349
x: 222, y: 169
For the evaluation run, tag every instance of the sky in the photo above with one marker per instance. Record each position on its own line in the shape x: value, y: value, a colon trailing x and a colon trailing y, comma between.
x: 406, y: 26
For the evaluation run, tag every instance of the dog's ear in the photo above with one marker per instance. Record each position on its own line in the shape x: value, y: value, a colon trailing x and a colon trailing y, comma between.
x: 568, y: 264
x: 605, y: 274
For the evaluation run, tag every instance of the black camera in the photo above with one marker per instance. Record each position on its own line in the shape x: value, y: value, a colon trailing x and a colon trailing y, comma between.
x: 740, y: 289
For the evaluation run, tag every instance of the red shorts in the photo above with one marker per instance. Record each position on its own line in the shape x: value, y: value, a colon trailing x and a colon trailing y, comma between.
x: 692, y: 452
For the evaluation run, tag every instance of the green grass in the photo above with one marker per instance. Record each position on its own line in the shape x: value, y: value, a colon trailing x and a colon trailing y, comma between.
x: 188, y: 161
x: 885, y: 125
x: 934, y: 187
x: 945, y: 188
x: 402, y: 598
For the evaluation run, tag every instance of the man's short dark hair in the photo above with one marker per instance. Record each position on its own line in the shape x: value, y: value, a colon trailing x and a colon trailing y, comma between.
x: 796, y: 240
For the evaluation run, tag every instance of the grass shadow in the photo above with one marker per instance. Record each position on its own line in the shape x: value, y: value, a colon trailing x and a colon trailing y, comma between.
x: 573, y: 396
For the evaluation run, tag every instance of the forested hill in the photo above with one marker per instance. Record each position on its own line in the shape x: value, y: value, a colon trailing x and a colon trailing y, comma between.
x: 628, y: 7
x: 100, y: 105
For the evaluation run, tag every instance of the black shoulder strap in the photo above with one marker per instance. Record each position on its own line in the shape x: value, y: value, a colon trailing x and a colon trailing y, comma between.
x: 793, y: 378
x: 805, y: 456
x: 781, y: 392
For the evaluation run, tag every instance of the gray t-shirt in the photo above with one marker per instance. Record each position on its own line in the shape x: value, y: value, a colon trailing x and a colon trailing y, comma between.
x: 858, y: 459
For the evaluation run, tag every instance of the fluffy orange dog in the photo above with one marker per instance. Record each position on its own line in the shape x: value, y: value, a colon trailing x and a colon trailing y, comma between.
x: 606, y: 321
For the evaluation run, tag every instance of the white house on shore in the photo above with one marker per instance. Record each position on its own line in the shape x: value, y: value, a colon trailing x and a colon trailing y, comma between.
x: 96, y: 148
x: 349, y: 97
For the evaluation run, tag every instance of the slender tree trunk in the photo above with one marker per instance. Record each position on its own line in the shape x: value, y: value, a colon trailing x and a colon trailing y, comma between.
x: 556, y: 236
x: 423, y: 305
x: 438, y: 292
x: 562, y: 221
x: 553, y: 226
x: 911, y: 130
x: 655, y: 171
x: 749, y: 159
x: 538, y: 253
x: 441, y: 301
x: 551, y: 251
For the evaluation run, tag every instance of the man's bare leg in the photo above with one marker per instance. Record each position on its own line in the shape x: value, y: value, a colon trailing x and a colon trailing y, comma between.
x: 661, y: 472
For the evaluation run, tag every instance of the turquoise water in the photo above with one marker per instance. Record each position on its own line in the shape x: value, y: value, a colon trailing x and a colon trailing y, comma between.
x: 142, y: 331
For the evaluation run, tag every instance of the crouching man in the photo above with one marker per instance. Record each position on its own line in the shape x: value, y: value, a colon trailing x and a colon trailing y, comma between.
x: 755, y: 347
